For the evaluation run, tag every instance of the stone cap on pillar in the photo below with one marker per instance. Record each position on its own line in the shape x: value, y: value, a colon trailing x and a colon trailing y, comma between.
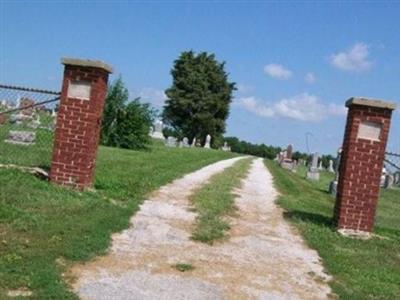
x: 371, y: 102
x: 86, y: 63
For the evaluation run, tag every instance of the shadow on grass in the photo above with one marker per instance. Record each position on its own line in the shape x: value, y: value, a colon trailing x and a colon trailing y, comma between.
x: 325, y: 191
x: 316, y: 219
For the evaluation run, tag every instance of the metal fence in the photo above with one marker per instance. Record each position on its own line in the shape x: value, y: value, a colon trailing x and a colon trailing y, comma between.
x: 392, y: 165
x: 27, y: 122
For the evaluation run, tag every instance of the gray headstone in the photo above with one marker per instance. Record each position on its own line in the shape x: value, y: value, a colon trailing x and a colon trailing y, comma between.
x: 289, y: 152
x: 21, y: 137
x: 185, y: 142
x: 19, y: 118
x: 313, y: 173
x: 170, y: 141
x: 333, y: 185
x: 314, y: 162
x: 389, y: 180
x: 396, y: 178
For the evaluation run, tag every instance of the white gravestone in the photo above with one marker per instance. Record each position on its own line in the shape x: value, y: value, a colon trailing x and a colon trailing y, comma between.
x: 330, y: 168
x: 225, y: 147
x: 170, y: 141
x: 193, y: 143
x: 157, y: 132
x: 383, y: 177
x: 208, y: 141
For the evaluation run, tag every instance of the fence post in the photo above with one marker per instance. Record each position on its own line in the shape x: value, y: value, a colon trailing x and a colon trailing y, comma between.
x: 366, y: 134
x: 78, y: 126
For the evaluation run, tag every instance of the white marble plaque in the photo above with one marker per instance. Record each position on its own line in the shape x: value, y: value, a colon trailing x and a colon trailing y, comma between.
x: 369, y: 131
x: 79, y: 90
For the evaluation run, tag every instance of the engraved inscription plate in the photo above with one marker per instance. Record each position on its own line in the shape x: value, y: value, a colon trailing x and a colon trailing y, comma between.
x: 79, y: 90
x: 369, y: 131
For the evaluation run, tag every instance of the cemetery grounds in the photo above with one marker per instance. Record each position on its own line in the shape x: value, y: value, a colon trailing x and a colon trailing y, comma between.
x: 44, y: 229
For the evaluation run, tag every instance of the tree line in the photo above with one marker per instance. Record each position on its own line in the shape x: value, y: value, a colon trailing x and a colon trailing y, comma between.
x: 198, y: 103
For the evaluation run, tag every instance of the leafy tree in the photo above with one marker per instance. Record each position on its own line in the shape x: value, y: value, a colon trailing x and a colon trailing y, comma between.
x: 125, y: 123
x: 116, y: 98
x: 199, y: 98
x: 299, y: 155
x: 325, y: 160
x: 252, y: 149
x: 132, y: 126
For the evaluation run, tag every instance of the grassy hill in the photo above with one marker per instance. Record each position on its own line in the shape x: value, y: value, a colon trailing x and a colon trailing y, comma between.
x: 44, y: 227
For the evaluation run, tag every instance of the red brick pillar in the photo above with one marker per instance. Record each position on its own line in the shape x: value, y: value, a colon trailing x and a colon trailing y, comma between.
x: 367, y: 129
x: 79, y: 122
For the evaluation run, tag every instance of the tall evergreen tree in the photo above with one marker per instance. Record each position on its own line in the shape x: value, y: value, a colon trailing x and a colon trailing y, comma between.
x: 199, y: 98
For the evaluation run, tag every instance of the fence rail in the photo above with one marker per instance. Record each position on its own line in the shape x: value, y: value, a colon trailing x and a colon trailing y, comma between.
x: 393, y: 159
x: 27, y: 122
x: 392, y: 164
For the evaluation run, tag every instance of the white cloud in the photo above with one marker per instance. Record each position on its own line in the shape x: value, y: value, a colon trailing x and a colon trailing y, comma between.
x: 302, y: 107
x: 336, y: 110
x: 244, y: 88
x: 310, y: 78
x: 354, y: 59
x: 151, y: 95
x: 253, y: 105
x: 278, y: 72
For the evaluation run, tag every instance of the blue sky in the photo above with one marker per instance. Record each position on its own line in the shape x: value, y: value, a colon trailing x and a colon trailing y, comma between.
x: 295, y: 64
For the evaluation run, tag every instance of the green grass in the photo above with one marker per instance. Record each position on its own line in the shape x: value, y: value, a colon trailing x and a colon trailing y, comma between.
x: 182, y: 267
x: 362, y: 269
x: 44, y: 227
x: 215, y: 200
x: 37, y: 155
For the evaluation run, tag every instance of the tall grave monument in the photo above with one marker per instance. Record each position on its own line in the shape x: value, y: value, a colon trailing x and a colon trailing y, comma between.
x: 313, y: 173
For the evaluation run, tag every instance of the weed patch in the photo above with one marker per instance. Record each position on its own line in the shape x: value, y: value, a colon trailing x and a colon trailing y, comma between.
x: 216, y: 200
